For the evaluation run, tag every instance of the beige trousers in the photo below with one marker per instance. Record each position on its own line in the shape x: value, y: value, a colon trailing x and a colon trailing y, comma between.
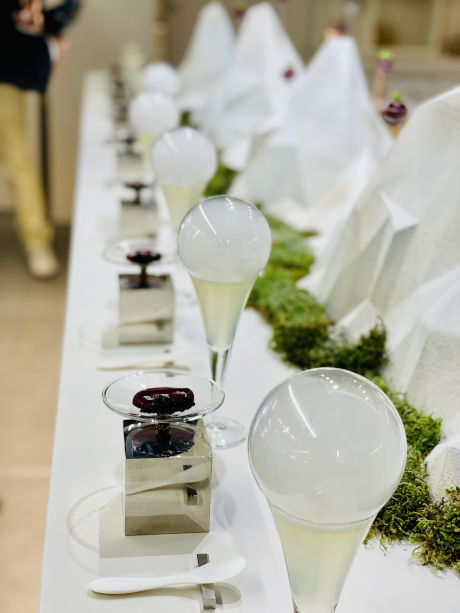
x: 33, y: 227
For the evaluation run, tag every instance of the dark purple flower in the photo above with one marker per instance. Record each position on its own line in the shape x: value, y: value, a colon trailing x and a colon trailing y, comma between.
x: 385, y: 60
x: 395, y: 112
x: 289, y: 73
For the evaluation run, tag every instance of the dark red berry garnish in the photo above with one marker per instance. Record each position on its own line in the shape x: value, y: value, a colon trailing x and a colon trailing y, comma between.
x: 289, y: 73
x: 143, y: 257
x: 164, y: 400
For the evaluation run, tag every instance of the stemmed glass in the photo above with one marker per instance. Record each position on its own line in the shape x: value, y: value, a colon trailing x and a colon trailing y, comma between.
x: 223, y: 243
x: 183, y: 162
x: 160, y: 77
x: 328, y: 449
x: 150, y: 114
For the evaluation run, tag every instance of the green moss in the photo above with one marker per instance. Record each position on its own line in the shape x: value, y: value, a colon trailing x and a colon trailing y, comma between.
x: 398, y: 518
x: 422, y: 431
x: 220, y: 182
x: 306, y: 337
x: 437, y: 532
x: 302, y: 331
x: 186, y: 119
x: 289, y: 249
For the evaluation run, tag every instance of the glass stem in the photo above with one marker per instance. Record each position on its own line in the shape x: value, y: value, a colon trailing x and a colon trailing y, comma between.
x: 143, y: 277
x: 219, y: 360
x: 164, y: 435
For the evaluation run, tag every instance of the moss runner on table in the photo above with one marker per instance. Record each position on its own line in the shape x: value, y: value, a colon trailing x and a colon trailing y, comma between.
x: 306, y: 337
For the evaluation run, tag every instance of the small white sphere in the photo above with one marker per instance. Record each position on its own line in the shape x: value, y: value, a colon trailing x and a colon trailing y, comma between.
x: 224, y: 240
x: 160, y: 77
x: 184, y: 157
x: 153, y: 113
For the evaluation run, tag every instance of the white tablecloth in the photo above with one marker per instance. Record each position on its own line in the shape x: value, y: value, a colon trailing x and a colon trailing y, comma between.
x: 87, y: 470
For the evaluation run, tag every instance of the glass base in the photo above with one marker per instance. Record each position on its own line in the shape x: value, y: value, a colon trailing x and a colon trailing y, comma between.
x: 224, y: 432
x: 296, y: 610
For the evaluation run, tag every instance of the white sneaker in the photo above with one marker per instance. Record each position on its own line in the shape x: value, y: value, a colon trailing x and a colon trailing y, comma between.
x: 42, y: 261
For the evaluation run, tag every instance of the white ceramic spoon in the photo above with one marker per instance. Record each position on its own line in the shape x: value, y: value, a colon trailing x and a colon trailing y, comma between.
x: 208, y: 573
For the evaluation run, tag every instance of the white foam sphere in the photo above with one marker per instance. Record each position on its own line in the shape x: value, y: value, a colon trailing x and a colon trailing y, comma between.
x: 161, y: 77
x: 327, y: 446
x: 224, y: 239
x: 184, y: 157
x: 328, y: 449
x: 153, y: 113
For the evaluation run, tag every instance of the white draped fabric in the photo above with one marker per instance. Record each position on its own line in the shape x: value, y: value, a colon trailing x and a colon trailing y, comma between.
x: 330, y: 135
x: 251, y: 98
x: 398, y: 258
x: 206, y: 58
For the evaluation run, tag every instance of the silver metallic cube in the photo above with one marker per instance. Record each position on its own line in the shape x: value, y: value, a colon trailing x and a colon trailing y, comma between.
x: 146, y: 314
x: 168, y: 495
x: 138, y: 219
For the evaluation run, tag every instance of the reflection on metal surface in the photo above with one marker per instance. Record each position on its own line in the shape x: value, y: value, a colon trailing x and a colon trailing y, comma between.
x: 168, y: 495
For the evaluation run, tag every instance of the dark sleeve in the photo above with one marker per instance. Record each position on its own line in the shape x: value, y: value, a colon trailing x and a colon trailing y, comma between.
x: 58, y: 18
x: 24, y: 61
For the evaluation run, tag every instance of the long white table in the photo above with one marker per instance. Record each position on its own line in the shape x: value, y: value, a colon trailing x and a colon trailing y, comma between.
x: 84, y: 537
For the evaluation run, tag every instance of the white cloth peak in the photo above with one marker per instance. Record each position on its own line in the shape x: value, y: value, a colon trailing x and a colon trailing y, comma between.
x: 329, y: 122
x: 252, y: 96
x: 207, y: 56
x: 398, y: 258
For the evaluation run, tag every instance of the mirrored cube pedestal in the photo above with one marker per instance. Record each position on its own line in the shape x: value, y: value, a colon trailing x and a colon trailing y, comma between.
x: 129, y: 165
x: 167, y: 484
x: 138, y: 220
x: 146, y: 309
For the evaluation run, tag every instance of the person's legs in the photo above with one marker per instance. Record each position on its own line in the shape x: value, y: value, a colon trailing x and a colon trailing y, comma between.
x: 35, y: 231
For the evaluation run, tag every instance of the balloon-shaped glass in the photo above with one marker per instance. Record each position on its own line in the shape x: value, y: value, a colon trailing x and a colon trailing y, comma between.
x: 150, y: 114
x: 224, y: 243
x: 183, y: 161
x: 160, y: 77
x: 328, y: 449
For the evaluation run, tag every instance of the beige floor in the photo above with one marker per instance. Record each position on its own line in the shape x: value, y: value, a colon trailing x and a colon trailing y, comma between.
x: 31, y: 320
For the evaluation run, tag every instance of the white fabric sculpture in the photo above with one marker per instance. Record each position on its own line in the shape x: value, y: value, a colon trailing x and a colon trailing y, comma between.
x: 443, y: 465
x: 207, y: 57
x: 398, y: 258
x: 251, y: 98
x: 330, y: 122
